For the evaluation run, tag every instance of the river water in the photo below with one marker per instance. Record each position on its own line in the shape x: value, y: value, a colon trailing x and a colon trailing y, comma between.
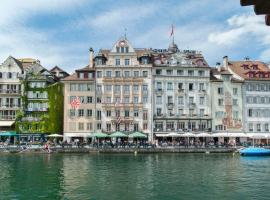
x: 128, y: 176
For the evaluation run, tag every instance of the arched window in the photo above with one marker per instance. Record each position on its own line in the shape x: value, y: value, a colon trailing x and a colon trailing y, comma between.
x: 9, y: 75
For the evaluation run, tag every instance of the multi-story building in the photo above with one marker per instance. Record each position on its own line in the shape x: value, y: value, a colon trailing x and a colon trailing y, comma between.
x: 227, y: 105
x: 256, y: 94
x: 181, y: 91
x: 42, y: 102
x: 79, y: 119
x: 123, y: 89
x: 10, y: 92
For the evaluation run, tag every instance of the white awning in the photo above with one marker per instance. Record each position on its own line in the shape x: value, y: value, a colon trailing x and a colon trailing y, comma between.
x: 203, y: 135
x: 229, y: 134
x: 79, y: 134
x: 6, y: 123
x: 259, y: 135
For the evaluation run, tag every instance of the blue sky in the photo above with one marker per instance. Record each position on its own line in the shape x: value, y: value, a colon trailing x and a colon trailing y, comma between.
x: 60, y: 32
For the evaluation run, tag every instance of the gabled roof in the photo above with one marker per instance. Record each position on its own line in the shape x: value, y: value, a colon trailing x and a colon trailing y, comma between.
x: 56, y: 68
x: 247, y: 67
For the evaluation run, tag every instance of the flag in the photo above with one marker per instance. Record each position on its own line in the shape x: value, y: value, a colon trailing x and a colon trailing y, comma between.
x: 75, y: 103
x: 172, y: 32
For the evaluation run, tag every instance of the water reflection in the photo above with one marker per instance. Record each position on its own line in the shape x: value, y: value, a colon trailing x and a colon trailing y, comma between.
x: 155, y: 176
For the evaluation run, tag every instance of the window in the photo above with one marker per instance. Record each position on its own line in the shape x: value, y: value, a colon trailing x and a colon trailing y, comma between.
x: 145, y: 73
x: 108, y: 127
x: 89, y: 126
x: 169, y: 72
x: 108, y: 113
x: 250, y: 113
x: 108, y: 88
x: 126, y: 49
x: 180, y: 86
x: 136, y: 73
x: 191, y: 100
x: 9, y: 75
x: 201, y: 73
x: 201, y: 86
x: 159, y: 100
x: 1, y: 75
x: 117, y: 49
x: 136, y: 127
x: 180, y: 100
x: 117, y: 74
x: 126, y: 73
x: 159, y: 85
x: 126, y: 100
x: 136, y: 113
x: 169, y: 86
x: 135, y: 88
x: 259, y: 127
x: 235, y: 102
x: 126, y: 113
x: 169, y: 99
x: 190, y: 73
x: 99, y: 74
x: 159, y: 111
x: 201, y: 100
x: 71, y: 112
x: 180, y: 72
x: 126, y: 89
x: 180, y: 112
x: 145, y: 87
x: 190, y: 86
x: 98, y: 115
x: 136, y: 99
x: 145, y: 126
x: 220, y: 90
x: 98, y: 126
x: 81, y: 75
x: 266, y: 127
x: 126, y: 61
x: 145, y: 114
x: 126, y: 127
x: 122, y: 50
x: 201, y: 112
x: 117, y: 88
x: 250, y: 127
x: 117, y: 61
x: 81, y: 112
x: 81, y: 126
x: 108, y: 73
x: 145, y: 99
x: 98, y: 99
x: 158, y: 71
x: 220, y: 102
x: 89, y: 113
x: 234, y: 91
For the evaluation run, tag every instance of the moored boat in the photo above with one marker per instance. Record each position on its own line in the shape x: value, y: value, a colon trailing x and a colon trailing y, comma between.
x: 254, y: 151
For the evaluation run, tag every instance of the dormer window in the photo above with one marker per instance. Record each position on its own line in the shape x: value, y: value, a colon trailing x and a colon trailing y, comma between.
x: 81, y: 75
x: 126, y: 49
x: 122, y: 50
x: 145, y: 61
x: 117, y: 49
x: 255, y: 67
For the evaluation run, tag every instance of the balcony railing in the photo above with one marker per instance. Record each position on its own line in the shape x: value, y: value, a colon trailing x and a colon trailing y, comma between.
x: 7, y: 117
x: 4, y: 91
x: 37, y: 109
x: 10, y: 106
x: 159, y: 91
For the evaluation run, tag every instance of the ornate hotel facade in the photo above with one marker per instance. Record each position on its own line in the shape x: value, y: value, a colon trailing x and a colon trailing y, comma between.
x: 182, y: 101
x: 123, y: 89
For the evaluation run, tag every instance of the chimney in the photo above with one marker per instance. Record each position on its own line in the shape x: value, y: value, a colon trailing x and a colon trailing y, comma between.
x: 218, y: 66
x: 91, y: 58
x: 225, y: 62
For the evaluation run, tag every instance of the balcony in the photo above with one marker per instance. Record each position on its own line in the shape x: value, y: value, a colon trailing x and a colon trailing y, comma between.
x: 159, y: 91
x: 145, y: 92
x: 120, y: 105
x: 192, y: 105
x: 7, y: 117
x: 202, y: 92
x: 37, y: 109
x: 123, y: 79
x: 15, y: 92
x: 10, y: 106
x: 170, y: 105
x: 181, y: 91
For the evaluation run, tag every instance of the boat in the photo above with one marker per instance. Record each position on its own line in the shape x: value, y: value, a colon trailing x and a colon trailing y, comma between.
x: 254, y: 151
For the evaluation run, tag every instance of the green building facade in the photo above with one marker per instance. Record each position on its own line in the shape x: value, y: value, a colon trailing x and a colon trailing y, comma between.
x: 42, y: 103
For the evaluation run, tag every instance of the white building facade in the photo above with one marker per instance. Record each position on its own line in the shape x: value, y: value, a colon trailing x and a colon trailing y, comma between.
x: 123, y: 89
x: 10, y: 92
x: 181, y: 96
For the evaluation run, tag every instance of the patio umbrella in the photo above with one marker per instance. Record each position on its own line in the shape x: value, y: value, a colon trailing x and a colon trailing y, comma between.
x: 137, y: 135
x: 55, y: 135
x: 98, y: 135
x: 203, y: 135
x: 118, y: 134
